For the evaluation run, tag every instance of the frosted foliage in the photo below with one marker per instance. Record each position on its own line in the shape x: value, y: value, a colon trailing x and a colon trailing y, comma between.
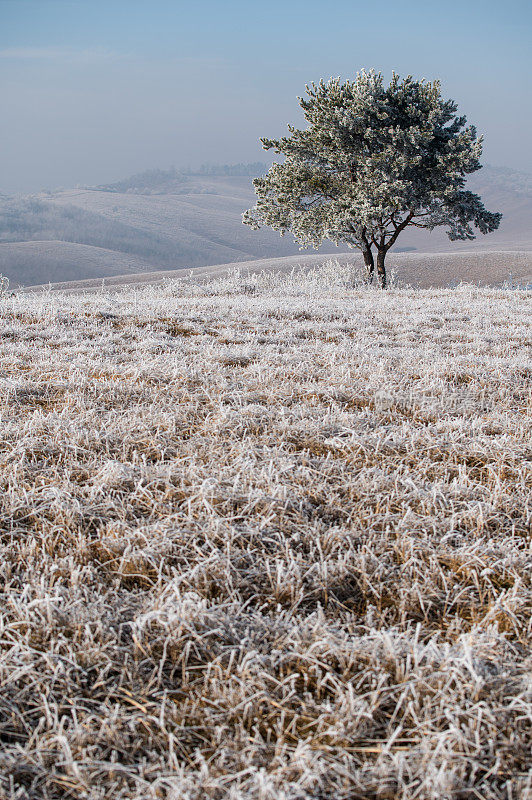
x: 373, y: 160
x: 266, y: 539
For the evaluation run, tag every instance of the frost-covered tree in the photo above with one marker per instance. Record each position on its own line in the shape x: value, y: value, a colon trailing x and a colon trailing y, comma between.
x: 373, y: 160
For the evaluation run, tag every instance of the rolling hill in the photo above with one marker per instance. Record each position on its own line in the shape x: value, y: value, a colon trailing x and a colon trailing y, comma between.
x: 165, y: 220
x: 29, y: 261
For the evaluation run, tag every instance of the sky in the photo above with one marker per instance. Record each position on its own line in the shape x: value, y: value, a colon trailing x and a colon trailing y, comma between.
x: 92, y: 91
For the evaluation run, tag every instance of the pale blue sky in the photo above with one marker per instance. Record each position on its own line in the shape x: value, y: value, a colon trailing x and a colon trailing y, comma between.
x: 93, y: 90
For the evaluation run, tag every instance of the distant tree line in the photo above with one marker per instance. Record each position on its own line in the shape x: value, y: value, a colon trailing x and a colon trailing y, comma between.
x: 236, y: 170
x: 173, y: 180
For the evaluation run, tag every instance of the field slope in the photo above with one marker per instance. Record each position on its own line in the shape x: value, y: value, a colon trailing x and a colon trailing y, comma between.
x: 266, y: 539
x: 422, y: 270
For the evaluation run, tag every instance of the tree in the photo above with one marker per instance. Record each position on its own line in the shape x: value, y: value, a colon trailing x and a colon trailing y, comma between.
x: 373, y: 161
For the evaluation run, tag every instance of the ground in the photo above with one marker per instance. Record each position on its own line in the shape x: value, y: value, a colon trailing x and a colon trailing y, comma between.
x: 266, y: 538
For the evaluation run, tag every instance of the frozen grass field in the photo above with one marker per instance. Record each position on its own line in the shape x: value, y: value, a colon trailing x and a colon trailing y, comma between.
x: 266, y: 539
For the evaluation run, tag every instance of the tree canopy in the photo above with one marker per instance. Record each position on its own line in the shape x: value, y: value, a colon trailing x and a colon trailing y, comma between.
x: 373, y: 160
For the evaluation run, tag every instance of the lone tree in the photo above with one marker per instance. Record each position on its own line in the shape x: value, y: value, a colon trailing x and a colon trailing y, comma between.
x: 373, y: 161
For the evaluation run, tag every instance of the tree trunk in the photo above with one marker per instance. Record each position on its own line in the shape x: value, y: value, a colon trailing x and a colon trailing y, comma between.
x: 370, y: 264
x: 381, y: 270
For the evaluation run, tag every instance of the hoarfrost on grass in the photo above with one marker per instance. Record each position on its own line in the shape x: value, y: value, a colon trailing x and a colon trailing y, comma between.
x: 266, y: 538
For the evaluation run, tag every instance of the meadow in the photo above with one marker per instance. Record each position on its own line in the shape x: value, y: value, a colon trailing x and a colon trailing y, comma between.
x: 266, y: 538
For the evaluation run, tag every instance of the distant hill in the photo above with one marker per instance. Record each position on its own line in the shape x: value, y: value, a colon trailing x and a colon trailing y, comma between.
x: 55, y: 259
x: 170, y: 219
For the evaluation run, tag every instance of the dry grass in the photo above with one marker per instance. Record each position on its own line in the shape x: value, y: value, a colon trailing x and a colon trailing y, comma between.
x: 266, y: 540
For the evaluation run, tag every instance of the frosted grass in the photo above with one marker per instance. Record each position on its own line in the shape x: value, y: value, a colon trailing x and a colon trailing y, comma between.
x: 266, y: 537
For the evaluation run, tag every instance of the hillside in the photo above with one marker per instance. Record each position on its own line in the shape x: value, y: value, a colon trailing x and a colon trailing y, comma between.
x: 421, y: 270
x: 266, y: 538
x: 170, y: 220
x: 29, y: 261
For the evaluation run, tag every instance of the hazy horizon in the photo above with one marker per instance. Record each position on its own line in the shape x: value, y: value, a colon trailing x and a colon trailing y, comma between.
x: 192, y: 170
x: 93, y: 92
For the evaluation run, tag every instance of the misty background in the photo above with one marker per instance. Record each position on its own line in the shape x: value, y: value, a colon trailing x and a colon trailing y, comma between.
x: 95, y: 90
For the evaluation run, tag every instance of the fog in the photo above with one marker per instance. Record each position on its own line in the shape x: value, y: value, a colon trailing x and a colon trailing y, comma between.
x: 91, y: 94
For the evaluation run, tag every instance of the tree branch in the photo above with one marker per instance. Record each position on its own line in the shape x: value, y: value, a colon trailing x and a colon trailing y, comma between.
x: 400, y: 227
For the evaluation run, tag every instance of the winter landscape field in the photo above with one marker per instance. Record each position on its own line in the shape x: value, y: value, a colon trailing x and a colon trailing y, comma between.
x: 166, y: 222
x: 266, y: 537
